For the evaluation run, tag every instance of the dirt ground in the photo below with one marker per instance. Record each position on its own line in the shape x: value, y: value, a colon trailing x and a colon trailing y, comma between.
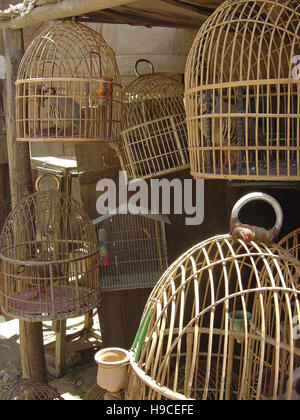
x: 80, y: 373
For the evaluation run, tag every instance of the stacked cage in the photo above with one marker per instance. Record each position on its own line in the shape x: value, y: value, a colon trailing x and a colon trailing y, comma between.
x: 242, y: 93
x: 68, y: 88
x: 49, y: 260
x: 154, y: 133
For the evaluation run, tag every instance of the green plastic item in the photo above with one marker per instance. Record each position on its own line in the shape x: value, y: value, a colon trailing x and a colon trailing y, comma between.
x: 139, y: 349
x: 140, y: 328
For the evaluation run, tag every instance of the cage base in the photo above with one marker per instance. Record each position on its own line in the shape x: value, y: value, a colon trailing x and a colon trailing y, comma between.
x: 285, y: 172
x: 65, y: 140
x: 57, y: 302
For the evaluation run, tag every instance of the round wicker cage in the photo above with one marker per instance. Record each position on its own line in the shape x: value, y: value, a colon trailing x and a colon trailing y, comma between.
x: 24, y: 389
x: 222, y: 323
x: 68, y: 87
x: 243, y: 93
x: 291, y: 243
x: 49, y: 260
x: 154, y: 133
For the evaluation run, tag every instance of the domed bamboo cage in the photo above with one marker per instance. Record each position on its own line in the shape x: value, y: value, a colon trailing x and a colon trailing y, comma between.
x: 221, y: 324
x: 154, y: 133
x: 68, y: 87
x: 243, y: 93
x: 24, y: 389
x: 49, y: 259
x: 291, y: 243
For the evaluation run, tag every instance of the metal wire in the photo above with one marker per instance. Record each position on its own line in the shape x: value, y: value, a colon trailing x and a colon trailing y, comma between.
x: 136, y: 250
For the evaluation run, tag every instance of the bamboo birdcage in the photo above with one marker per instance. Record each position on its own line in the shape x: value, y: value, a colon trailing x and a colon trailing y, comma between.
x: 154, y: 133
x: 49, y: 259
x: 133, y: 247
x: 68, y: 87
x: 26, y: 390
x: 243, y: 93
x: 220, y: 324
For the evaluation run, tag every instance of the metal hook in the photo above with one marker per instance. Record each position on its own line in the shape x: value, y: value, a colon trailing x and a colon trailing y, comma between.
x: 143, y: 60
x: 37, y: 182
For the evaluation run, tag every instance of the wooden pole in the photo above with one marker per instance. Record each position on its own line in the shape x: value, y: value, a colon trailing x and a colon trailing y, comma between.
x: 31, y: 334
x: 60, y: 10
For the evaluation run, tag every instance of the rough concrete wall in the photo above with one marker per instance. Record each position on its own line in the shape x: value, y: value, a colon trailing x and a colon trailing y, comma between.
x: 166, y: 48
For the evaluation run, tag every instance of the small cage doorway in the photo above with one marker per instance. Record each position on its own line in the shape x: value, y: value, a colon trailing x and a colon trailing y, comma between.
x: 133, y: 250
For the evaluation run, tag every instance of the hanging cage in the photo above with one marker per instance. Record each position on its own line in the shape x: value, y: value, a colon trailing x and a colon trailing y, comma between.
x: 154, y: 132
x: 243, y: 93
x: 221, y: 324
x: 49, y: 259
x: 27, y: 390
x: 68, y: 87
x: 133, y: 248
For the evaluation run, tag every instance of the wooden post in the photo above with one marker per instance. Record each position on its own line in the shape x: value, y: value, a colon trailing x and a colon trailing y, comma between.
x: 31, y: 334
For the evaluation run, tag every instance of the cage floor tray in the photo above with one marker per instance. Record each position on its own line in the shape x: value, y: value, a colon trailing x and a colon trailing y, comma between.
x: 52, y: 301
x: 283, y: 170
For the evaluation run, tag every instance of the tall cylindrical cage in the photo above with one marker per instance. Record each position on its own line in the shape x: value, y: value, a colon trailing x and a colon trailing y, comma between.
x: 220, y: 324
x: 154, y: 133
x: 243, y: 93
x: 68, y: 87
x: 49, y: 260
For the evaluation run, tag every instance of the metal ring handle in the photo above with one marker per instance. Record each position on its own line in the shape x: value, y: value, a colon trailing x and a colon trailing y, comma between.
x: 143, y: 60
x: 37, y: 182
x: 264, y: 197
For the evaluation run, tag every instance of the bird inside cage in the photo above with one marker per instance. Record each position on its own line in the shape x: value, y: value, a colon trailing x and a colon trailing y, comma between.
x: 228, y: 130
x: 63, y: 112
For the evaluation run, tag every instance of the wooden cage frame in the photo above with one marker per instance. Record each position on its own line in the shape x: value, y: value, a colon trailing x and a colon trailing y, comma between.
x: 154, y: 132
x: 49, y: 260
x: 68, y: 88
x: 225, y: 307
x: 243, y: 93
